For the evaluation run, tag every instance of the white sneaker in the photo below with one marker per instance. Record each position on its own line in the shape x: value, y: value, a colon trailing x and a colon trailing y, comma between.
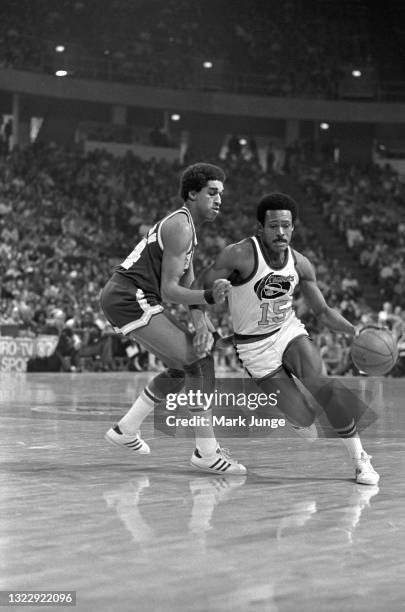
x: 218, y: 463
x: 135, y: 443
x: 365, y: 473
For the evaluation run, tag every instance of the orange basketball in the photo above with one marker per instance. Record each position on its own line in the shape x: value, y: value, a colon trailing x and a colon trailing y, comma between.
x: 374, y: 351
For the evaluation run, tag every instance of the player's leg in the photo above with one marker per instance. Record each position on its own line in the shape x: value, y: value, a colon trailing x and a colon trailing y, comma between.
x: 173, y: 344
x: 290, y: 400
x: 128, y: 309
x: 341, y: 406
x: 262, y: 359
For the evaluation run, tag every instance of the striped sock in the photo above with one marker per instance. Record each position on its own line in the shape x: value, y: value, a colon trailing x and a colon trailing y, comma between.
x: 133, y: 419
x: 351, y: 440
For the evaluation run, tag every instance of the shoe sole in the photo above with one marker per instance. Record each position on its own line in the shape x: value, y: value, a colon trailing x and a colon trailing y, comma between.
x: 124, y: 447
x: 369, y: 484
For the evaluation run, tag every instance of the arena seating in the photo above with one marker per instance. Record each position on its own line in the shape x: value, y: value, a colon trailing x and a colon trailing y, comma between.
x: 66, y: 219
x: 166, y: 46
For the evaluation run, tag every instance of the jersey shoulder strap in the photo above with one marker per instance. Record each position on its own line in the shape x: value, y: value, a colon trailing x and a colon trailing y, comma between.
x: 183, y: 210
x: 235, y: 278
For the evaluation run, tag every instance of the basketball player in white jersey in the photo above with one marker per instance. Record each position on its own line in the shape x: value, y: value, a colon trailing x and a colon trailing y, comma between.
x: 269, y: 338
x: 160, y: 269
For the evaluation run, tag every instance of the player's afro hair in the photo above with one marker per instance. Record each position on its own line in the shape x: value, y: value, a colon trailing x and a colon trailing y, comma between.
x: 195, y: 178
x: 276, y: 201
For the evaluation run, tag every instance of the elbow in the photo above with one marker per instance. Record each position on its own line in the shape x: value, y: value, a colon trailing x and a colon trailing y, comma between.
x: 167, y: 296
x: 322, y: 313
x: 172, y: 293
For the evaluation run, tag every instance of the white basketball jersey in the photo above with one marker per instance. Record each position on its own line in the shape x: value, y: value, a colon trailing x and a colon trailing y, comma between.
x: 263, y: 302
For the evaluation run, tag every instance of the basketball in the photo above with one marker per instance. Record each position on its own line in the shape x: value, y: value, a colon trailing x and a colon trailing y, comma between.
x: 374, y: 351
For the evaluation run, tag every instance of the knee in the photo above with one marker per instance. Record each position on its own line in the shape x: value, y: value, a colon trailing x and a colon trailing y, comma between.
x: 305, y: 418
x: 200, y: 367
x: 170, y: 380
x: 200, y: 375
x: 304, y: 361
x: 309, y: 371
x: 176, y: 378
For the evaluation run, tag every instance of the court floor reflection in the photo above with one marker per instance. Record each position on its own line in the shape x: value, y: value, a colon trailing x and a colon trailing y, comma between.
x: 147, y: 533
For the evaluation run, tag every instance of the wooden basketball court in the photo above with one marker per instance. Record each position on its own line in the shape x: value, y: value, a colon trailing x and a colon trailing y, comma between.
x: 148, y: 533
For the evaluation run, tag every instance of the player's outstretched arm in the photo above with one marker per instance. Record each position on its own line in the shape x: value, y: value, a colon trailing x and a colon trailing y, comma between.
x: 203, y: 339
x: 328, y: 316
x: 234, y: 258
x: 177, y: 236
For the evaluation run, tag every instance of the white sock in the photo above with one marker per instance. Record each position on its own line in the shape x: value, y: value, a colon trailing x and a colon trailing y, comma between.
x: 354, y: 446
x: 132, y: 420
x: 207, y: 446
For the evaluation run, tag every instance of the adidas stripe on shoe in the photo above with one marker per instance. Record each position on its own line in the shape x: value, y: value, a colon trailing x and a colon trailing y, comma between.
x: 134, y: 443
x: 219, y: 463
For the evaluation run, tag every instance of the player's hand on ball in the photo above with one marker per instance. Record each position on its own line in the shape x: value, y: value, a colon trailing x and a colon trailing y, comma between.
x: 203, y: 342
x: 360, y: 327
x: 220, y: 289
x: 374, y: 350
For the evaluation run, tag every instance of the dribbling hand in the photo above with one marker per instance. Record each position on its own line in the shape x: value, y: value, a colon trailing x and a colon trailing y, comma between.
x: 362, y: 326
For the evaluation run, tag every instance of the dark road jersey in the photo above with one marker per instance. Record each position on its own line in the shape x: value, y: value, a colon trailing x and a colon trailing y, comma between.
x: 143, y: 266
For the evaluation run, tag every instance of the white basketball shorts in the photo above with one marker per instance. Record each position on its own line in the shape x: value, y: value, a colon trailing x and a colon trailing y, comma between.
x: 263, y: 357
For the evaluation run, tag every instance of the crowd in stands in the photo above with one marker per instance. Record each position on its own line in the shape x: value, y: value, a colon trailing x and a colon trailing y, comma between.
x: 254, y: 47
x: 66, y: 219
x: 365, y: 206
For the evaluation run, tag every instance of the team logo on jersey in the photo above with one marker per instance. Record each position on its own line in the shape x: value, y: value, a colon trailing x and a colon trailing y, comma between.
x: 273, y: 286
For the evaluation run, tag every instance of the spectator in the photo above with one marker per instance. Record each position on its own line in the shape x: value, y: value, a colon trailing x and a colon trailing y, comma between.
x: 333, y: 353
x: 94, y: 343
x: 387, y: 317
x: 70, y: 212
x: 64, y: 357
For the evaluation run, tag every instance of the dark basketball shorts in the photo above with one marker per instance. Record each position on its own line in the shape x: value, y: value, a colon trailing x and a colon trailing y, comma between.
x: 127, y: 307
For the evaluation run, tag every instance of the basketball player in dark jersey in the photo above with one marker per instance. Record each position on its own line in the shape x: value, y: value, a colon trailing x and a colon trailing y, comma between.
x: 269, y: 338
x: 160, y: 269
